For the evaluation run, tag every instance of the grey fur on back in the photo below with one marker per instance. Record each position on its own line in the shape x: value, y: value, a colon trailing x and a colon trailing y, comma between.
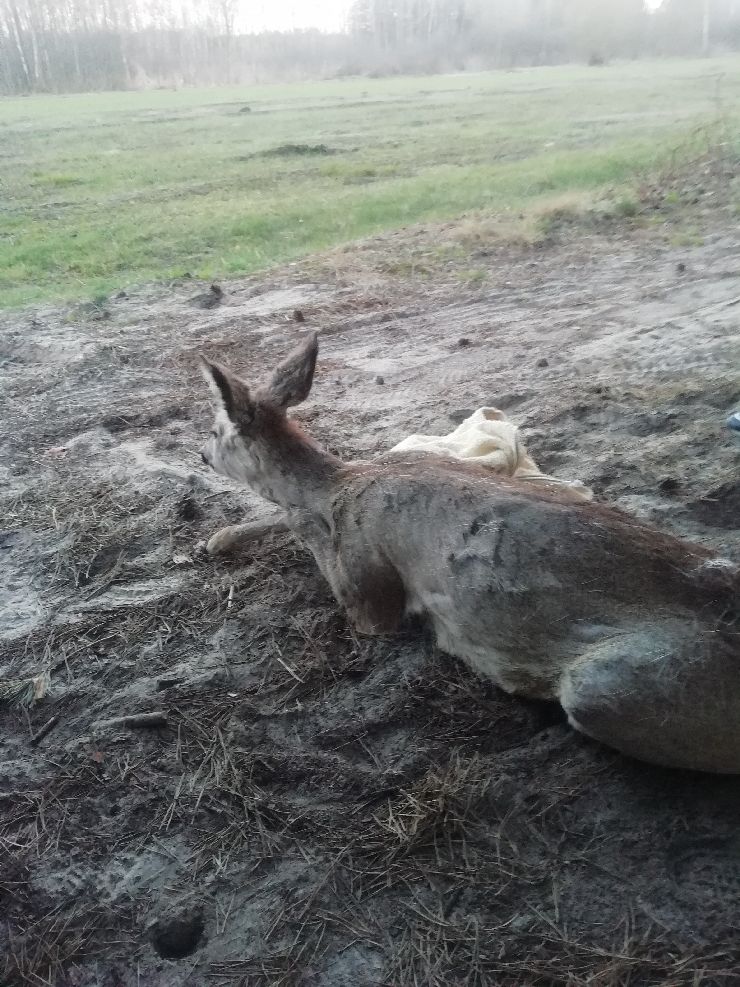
x: 632, y: 630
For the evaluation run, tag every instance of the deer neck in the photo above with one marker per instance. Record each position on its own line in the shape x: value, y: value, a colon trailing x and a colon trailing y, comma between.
x: 300, y: 474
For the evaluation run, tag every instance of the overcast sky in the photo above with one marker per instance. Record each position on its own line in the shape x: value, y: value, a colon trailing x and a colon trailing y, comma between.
x: 283, y: 15
x: 327, y: 15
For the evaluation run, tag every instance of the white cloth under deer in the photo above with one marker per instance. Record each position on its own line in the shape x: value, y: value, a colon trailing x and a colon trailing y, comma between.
x: 489, y: 439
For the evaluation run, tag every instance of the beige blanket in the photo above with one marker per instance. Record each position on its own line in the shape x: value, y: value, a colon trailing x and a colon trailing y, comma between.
x: 489, y: 439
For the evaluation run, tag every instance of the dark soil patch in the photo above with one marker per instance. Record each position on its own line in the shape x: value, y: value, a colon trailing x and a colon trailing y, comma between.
x: 322, y: 808
x: 296, y: 150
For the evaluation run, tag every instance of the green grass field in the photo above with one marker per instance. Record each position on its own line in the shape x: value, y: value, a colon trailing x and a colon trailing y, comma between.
x: 103, y: 190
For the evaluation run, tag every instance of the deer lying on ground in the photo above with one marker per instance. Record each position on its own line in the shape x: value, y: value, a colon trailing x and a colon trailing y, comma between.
x: 630, y: 629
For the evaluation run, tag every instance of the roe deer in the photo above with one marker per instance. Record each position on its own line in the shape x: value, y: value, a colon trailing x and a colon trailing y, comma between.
x: 630, y: 629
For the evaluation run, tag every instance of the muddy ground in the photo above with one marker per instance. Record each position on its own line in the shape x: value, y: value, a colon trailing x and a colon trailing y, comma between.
x: 320, y: 808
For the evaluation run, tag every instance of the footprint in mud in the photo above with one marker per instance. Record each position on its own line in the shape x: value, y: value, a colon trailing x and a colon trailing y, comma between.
x: 177, y: 936
x: 142, y: 420
x: 646, y: 424
x: 20, y: 602
x: 707, y: 871
x: 719, y: 507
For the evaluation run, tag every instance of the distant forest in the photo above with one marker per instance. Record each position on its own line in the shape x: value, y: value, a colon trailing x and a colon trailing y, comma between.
x: 80, y: 45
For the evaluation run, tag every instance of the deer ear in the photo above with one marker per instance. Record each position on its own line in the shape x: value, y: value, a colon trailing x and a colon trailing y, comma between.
x: 228, y: 392
x: 292, y: 379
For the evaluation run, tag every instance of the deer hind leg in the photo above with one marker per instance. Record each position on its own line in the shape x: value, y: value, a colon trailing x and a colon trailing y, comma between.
x: 667, y: 694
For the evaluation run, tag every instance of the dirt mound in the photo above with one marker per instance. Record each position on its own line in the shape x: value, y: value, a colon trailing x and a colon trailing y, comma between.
x: 321, y: 808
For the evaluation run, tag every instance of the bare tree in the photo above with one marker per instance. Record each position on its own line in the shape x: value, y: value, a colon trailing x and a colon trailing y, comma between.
x: 705, y: 20
x: 62, y: 45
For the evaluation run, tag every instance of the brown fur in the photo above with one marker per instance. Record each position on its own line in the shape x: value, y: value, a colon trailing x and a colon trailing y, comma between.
x: 629, y: 628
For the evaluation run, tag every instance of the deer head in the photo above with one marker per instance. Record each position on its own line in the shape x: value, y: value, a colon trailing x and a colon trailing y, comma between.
x: 254, y: 442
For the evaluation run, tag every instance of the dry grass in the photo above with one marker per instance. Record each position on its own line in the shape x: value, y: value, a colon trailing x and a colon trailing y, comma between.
x: 434, y: 951
x: 44, y: 950
x: 448, y: 872
x: 364, y: 797
x: 439, y: 807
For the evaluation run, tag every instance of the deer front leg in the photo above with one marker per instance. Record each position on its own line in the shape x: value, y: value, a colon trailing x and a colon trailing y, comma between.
x: 241, y: 534
x: 367, y: 586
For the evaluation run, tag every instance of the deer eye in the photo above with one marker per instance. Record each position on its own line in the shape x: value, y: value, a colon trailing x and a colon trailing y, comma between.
x: 214, y: 433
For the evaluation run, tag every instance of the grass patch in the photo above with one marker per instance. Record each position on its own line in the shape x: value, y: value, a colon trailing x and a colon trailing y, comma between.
x: 157, y: 183
x: 55, y: 180
x: 296, y: 150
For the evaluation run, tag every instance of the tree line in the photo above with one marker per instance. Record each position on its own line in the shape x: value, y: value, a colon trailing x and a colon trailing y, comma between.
x: 79, y: 45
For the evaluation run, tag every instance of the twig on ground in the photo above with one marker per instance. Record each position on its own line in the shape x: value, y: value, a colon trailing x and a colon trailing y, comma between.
x: 145, y: 720
x: 42, y: 731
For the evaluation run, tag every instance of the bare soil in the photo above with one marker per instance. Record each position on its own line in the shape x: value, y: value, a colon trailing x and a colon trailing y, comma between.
x: 325, y: 809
